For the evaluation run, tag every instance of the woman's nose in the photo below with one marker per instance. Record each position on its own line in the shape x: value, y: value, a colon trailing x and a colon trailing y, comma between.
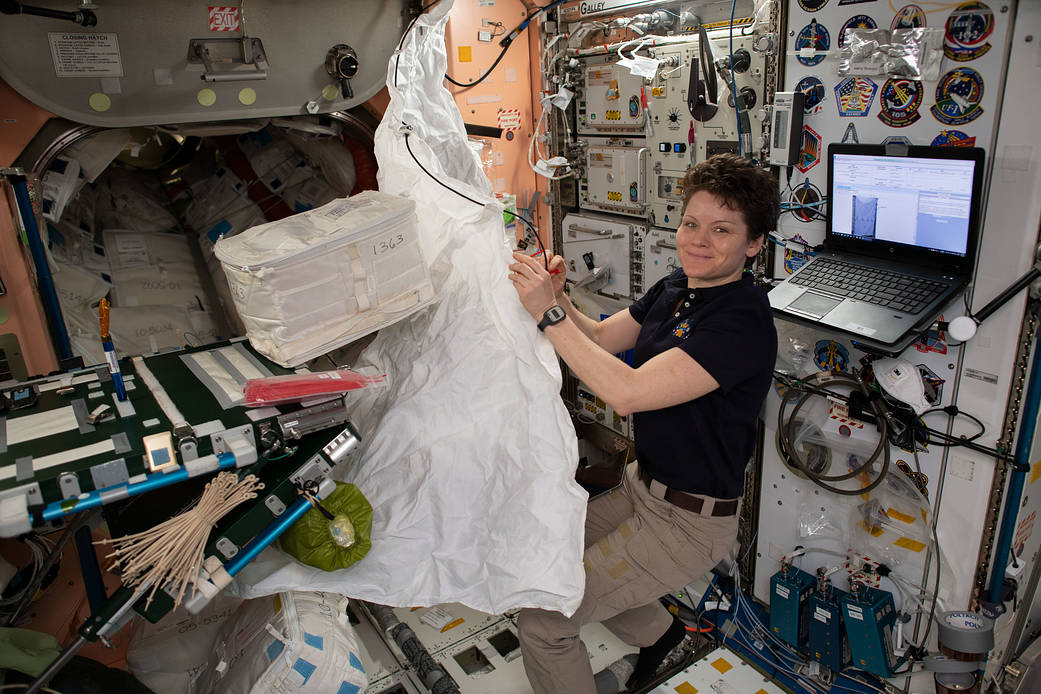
x: 698, y: 237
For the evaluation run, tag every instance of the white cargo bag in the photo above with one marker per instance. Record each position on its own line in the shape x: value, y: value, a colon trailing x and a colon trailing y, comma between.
x: 310, y: 283
x: 290, y: 642
x: 168, y: 656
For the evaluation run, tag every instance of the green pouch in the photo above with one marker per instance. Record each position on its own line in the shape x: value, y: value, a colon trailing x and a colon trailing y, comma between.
x: 27, y: 651
x: 310, y: 539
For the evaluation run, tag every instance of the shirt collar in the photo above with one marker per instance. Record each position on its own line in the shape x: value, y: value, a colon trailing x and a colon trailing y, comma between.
x: 677, y: 282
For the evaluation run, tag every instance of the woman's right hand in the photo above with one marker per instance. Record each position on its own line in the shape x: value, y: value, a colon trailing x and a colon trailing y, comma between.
x: 558, y: 274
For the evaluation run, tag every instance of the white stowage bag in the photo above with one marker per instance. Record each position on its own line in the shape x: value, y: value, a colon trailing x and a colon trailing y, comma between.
x: 170, y: 655
x: 294, y: 643
x: 468, y: 456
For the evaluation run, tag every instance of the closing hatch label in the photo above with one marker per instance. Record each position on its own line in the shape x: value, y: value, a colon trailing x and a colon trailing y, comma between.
x: 85, y: 55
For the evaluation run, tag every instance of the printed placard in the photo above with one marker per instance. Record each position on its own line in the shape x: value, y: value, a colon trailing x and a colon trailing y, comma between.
x: 85, y: 55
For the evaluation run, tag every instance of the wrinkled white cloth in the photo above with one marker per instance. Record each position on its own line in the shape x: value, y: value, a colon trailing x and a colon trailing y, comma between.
x: 468, y: 456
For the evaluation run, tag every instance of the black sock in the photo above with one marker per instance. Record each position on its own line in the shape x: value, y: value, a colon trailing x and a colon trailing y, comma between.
x: 652, y: 656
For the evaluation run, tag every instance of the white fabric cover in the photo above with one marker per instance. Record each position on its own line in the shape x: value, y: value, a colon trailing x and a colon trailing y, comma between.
x: 468, y: 456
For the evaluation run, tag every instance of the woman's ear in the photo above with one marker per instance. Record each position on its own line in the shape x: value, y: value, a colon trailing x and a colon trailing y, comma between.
x: 755, y: 246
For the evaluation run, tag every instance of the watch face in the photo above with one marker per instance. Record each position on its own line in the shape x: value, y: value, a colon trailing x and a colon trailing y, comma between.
x: 552, y: 316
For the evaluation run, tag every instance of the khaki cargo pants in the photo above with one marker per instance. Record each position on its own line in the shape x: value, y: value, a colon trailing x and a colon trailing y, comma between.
x: 638, y: 548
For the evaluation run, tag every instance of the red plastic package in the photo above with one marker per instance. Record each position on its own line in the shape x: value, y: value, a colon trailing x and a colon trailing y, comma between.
x: 274, y: 390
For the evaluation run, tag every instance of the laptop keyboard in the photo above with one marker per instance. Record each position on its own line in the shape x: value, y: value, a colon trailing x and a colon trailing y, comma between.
x: 893, y: 290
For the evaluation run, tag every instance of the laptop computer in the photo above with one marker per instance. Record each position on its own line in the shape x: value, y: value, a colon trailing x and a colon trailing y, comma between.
x: 902, y: 229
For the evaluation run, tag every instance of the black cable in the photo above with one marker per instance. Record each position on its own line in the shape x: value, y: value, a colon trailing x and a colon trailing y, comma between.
x: 506, y: 43
x: 950, y: 441
x: 438, y: 180
x: 785, y: 437
x: 476, y: 202
x: 480, y: 79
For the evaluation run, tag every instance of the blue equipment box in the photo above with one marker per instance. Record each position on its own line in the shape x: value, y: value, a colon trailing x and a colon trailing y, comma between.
x: 869, y: 616
x: 827, y: 636
x: 789, y: 592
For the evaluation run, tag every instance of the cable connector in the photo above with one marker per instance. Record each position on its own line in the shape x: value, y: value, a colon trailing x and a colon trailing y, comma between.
x: 723, y: 605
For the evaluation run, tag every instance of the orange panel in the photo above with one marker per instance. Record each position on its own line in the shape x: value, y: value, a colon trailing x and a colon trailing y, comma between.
x: 509, y: 86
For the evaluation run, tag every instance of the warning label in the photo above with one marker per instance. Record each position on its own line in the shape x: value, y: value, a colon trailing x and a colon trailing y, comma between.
x: 509, y: 119
x: 85, y: 55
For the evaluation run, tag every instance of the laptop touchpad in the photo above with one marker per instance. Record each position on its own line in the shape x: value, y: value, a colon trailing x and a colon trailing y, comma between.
x: 816, y: 305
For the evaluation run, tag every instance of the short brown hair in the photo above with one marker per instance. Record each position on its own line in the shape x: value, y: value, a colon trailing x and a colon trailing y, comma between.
x: 742, y: 186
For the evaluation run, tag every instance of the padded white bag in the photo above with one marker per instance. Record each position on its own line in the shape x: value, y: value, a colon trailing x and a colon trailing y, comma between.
x: 310, y: 283
x: 290, y: 642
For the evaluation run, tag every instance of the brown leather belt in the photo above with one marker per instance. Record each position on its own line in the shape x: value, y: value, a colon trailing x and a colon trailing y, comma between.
x: 689, y: 502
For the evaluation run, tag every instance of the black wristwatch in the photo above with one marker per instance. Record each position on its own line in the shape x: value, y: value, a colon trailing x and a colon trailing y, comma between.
x: 552, y: 316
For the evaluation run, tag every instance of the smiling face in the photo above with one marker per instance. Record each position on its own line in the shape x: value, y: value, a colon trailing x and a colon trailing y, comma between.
x: 712, y: 241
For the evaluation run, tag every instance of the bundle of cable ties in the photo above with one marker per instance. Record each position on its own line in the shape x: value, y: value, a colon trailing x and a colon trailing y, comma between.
x: 170, y: 555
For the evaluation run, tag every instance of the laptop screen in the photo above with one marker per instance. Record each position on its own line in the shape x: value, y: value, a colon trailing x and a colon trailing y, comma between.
x: 923, y: 204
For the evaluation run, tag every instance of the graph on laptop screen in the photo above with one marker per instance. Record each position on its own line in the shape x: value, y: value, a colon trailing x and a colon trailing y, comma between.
x: 925, y: 203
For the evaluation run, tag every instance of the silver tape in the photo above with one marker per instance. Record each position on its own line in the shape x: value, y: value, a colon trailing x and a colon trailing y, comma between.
x: 965, y: 632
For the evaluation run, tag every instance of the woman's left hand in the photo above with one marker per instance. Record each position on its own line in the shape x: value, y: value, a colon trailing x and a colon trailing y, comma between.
x: 533, y: 284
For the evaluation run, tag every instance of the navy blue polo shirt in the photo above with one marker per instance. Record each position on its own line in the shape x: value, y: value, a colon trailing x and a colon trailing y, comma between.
x: 702, y: 445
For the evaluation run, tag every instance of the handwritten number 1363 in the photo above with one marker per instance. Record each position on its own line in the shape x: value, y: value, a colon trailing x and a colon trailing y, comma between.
x: 387, y: 244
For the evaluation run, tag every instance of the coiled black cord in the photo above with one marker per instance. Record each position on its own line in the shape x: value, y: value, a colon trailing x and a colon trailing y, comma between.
x: 789, y: 451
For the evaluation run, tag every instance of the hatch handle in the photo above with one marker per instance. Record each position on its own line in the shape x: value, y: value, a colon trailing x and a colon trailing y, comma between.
x: 234, y: 56
x: 83, y: 16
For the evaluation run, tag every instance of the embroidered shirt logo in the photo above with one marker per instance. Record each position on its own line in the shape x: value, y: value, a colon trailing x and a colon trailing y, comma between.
x: 682, y: 329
